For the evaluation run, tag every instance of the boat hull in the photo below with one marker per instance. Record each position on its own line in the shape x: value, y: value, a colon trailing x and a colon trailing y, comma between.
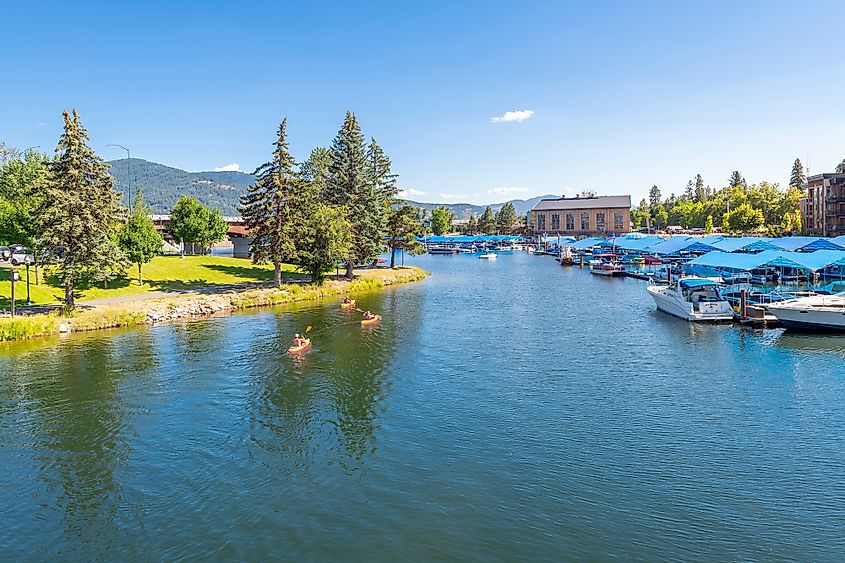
x: 608, y: 273
x: 810, y: 321
x: 371, y: 322
x: 683, y: 310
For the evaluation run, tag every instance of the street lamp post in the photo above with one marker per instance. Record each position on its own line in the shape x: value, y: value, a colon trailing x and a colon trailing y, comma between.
x: 128, y: 172
x: 14, y: 277
x: 27, y: 261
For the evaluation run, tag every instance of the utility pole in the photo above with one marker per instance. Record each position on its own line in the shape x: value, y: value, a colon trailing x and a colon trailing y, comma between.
x: 128, y: 172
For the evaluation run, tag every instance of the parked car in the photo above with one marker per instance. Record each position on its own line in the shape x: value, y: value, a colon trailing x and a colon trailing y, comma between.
x: 21, y: 255
x: 5, y: 252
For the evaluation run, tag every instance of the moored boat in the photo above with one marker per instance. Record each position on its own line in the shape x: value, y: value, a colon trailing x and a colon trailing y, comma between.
x: 488, y: 256
x: 606, y: 265
x: 692, y: 299
x: 825, y: 313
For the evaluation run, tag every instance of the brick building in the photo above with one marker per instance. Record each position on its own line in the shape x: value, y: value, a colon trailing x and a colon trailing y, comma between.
x: 823, y: 208
x: 595, y: 215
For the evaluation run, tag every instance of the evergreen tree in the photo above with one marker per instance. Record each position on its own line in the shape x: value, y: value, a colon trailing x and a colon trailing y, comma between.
x: 316, y: 170
x: 486, y: 223
x: 654, y: 197
x: 472, y: 225
x: 350, y: 186
x: 700, y: 191
x: 268, y: 208
x: 139, y: 237
x: 402, y: 230
x: 80, y: 210
x: 736, y: 179
x: 689, y: 191
x: 505, y: 218
x: 381, y: 174
x: 797, y: 179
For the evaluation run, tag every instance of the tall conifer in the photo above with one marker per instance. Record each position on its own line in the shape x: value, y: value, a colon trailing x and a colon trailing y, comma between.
x: 797, y: 178
x: 80, y: 211
x: 267, y: 208
x: 350, y: 185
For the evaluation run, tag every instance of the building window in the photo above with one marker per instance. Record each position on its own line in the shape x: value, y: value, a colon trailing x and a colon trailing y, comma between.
x: 570, y: 222
x: 555, y: 222
x: 600, y: 222
x: 585, y: 221
x: 541, y: 222
x: 617, y: 222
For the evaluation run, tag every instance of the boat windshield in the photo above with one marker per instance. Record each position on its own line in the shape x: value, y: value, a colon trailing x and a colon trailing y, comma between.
x: 702, y: 293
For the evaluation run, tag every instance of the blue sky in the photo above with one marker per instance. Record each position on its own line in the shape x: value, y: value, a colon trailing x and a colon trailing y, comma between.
x: 623, y: 95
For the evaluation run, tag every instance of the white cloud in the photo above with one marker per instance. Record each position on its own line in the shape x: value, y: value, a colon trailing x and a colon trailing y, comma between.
x: 411, y: 193
x: 506, y: 190
x: 518, y: 115
x: 233, y: 167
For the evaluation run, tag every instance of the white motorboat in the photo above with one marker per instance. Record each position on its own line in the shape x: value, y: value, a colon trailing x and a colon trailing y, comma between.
x: 692, y: 299
x: 488, y: 256
x: 606, y: 265
x: 816, y: 312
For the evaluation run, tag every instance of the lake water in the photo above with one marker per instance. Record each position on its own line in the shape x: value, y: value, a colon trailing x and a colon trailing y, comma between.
x: 507, y: 410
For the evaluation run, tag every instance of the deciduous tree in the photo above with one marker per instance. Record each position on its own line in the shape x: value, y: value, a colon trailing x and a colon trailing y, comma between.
x: 139, y: 237
x: 402, y: 230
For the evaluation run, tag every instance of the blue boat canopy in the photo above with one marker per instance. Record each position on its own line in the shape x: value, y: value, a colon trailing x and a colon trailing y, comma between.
x: 687, y: 283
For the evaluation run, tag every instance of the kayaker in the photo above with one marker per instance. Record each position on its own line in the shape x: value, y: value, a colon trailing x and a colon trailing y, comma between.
x: 297, y: 341
x: 347, y: 300
x: 368, y: 316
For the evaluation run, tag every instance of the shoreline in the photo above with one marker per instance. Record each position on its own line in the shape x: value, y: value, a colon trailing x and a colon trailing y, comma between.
x: 197, y: 305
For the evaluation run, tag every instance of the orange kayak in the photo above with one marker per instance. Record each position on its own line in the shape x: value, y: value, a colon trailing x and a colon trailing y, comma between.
x: 301, y: 348
x: 368, y: 322
x: 347, y: 306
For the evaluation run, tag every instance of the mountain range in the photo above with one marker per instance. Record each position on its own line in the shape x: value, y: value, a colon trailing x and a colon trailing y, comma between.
x: 164, y: 185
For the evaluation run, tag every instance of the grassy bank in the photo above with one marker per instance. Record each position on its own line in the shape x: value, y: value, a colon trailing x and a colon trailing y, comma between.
x: 146, y: 311
x: 162, y: 274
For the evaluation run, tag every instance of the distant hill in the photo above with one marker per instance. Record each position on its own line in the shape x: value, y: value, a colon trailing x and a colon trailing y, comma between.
x: 465, y: 210
x: 164, y: 185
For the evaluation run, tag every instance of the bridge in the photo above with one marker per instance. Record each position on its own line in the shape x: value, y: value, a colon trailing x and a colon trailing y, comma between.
x: 237, y: 233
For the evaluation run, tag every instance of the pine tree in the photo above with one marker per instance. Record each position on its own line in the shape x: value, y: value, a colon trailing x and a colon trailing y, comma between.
x: 505, y: 218
x: 350, y: 186
x: 268, y: 208
x: 381, y: 174
x: 486, y: 223
x: 736, y: 179
x: 139, y: 237
x: 316, y: 170
x: 654, y: 197
x: 80, y: 211
x: 700, y: 191
x: 689, y: 191
x: 797, y: 179
x: 472, y: 225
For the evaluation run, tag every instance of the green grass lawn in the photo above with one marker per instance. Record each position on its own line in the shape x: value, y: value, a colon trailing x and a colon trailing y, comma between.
x: 164, y: 273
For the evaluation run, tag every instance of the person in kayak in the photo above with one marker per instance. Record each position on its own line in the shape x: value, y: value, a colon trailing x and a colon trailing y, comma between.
x: 347, y: 300
x: 298, y: 341
x: 369, y: 316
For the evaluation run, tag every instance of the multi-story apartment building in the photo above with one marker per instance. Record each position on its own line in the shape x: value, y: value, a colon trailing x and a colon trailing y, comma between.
x: 593, y: 215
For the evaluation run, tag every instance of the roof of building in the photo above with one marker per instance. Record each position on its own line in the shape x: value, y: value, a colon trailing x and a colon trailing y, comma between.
x: 597, y: 202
